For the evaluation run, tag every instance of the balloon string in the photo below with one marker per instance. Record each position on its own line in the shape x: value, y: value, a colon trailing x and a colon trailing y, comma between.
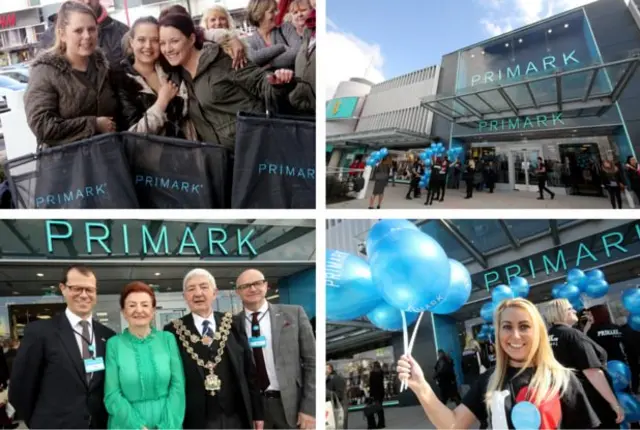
x: 405, y: 333
x: 403, y: 386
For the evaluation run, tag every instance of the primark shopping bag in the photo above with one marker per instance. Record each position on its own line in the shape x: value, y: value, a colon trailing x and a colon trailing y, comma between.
x: 89, y: 174
x: 170, y: 173
x: 274, y: 163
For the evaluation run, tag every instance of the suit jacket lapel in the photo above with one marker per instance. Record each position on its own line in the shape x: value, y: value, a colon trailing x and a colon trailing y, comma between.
x: 199, y: 348
x: 68, y: 338
x: 277, y: 322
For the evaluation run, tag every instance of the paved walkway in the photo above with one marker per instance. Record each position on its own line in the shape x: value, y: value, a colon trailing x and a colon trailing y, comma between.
x: 394, y: 198
x: 409, y: 417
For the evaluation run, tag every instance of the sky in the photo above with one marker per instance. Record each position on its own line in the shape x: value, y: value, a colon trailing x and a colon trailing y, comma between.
x: 381, y: 39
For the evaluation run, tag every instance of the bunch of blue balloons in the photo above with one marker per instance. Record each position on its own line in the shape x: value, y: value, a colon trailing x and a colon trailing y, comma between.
x: 631, y: 302
x: 376, y: 157
x: 621, y: 378
x: 518, y: 287
x: 591, y: 284
x: 487, y: 333
x: 407, y: 270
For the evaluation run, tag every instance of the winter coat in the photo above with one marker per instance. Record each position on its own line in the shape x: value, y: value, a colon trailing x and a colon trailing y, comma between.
x: 110, y: 35
x: 138, y: 111
x: 303, y: 97
x: 61, y: 107
x: 285, y: 44
x: 218, y: 92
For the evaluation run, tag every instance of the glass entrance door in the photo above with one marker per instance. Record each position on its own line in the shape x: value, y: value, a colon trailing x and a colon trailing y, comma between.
x: 525, y: 164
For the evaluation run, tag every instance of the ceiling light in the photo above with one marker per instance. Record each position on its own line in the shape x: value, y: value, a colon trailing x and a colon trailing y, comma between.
x: 39, y: 275
x: 566, y: 26
x: 53, y: 287
x: 519, y: 40
x: 482, y: 52
x: 473, y: 55
x: 550, y: 31
x: 506, y: 45
x: 575, y: 131
x: 158, y: 273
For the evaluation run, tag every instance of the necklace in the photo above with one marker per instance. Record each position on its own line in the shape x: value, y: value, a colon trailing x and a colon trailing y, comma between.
x: 212, y: 382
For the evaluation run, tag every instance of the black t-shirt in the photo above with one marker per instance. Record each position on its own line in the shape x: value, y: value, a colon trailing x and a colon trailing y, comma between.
x: 609, y: 337
x: 569, y: 411
x: 576, y: 350
x: 470, y: 365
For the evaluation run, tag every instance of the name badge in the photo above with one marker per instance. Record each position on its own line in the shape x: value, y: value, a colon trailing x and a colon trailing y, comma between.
x: 257, y: 342
x: 93, y: 364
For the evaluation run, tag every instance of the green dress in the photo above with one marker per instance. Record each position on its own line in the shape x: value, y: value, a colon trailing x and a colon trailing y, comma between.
x: 144, y: 382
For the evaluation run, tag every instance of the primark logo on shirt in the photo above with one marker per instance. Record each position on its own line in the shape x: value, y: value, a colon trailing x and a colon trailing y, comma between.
x: 78, y: 194
x: 603, y: 333
x: 553, y: 340
x: 152, y: 181
x: 287, y: 170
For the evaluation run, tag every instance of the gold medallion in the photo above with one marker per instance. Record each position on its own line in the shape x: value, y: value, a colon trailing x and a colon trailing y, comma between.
x: 207, y: 340
x: 212, y: 383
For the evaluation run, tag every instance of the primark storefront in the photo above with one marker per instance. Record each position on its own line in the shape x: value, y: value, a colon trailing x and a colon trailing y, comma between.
x: 564, y: 89
x: 34, y: 253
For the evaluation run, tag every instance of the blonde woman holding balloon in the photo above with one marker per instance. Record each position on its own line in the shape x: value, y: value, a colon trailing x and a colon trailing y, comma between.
x: 528, y: 388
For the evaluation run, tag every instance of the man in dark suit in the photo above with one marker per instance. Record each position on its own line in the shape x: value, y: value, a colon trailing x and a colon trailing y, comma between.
x: 284, y: 351
x: 218, y: 368
x: 57, y: 380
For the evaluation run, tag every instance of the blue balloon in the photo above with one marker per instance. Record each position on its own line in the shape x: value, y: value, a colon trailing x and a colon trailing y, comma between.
x: 486, y: 311
x: 427, y: 162
x: 384, y: 152
x: 350, y: 290
x: 482, y: 336
x: 458, y: 292
x: 424, y: 156
x: 577, y: 278
x: 577, y: 304
x: 411, y: 270
x: 595, y: 274
x: 384, y: 227
x: 569, y: 292
x: 371, y: 162
x: 620, y: 374
x: 429, y: 152
x: 631, y: 300
x: 525, y: 416
x: 388, y: 318
x: 634, y: 322
x: 597, y: 288
x: 501, y: 293
x: 631, y: 407
x: 555, y: 291
x: 520, y: 286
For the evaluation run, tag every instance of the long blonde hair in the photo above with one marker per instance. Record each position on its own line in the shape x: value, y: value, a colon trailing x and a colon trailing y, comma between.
x: 65, y: 11
x: 219, y: 9
x: 550, y: 377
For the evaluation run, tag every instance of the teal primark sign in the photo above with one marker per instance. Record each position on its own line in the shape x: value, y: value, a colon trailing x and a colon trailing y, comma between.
x: 342, y: 108
x: 522, y: 123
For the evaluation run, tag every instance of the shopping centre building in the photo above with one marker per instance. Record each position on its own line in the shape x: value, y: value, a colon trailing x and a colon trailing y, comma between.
x: 492, y: 251
x: 565, y: 89
x: 34, y: 253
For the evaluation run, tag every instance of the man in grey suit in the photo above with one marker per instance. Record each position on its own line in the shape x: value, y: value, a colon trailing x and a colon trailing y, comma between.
x: 284, y: 351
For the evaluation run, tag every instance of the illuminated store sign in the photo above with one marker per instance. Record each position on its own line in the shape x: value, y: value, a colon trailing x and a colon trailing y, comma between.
x: 98, y: 238
x: 522, y: 123
x: 342, y: 108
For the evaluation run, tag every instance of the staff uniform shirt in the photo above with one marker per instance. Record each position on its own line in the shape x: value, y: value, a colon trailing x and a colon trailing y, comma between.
x: 609, y: 337
x: 576, y: 350
x: 570, y: 410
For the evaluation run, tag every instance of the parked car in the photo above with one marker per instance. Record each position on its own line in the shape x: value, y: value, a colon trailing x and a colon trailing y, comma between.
x: 20, y: 74
x: 11, y: 84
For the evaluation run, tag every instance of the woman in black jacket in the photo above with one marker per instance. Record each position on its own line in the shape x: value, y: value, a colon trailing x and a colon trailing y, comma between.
x: 614, y: 183
x: 153, y: 100
x: 633, y: 173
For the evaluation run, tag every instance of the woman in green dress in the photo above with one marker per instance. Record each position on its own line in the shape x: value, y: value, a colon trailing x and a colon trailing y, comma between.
x: 144, y: 380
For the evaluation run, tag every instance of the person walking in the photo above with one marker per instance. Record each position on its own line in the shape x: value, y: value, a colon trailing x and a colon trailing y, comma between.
x: 284, y: 352
x: 541, y: 173
x: 57, y: 380
x: 614, y: 183
x: 414, y: 173
x: 376, y: 392
x: 469, y: 176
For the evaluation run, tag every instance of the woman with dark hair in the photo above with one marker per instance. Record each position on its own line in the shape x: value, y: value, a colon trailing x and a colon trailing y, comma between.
x: 152, y: 100
x: 633, y: 173
x: 217, y: 92
x: 70, y: 95
x: 144, y: 379
x: 605, y: 333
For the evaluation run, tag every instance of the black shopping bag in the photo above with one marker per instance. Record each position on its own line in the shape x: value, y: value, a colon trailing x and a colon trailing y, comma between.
x: 89, y: 174
x: 171, y: 173
x: 275, y: 163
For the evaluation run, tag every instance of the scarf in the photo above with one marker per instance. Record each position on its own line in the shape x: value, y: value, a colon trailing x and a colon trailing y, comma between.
x: 103, y: 15
x: 311, y: 22
x: 283, y: 9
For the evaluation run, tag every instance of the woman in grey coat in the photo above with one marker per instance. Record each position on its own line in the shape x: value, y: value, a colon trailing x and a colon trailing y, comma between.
x: 271, y: 46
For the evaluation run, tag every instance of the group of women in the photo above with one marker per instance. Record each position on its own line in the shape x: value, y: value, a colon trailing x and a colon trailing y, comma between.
x: 177, y: 79
x: 546, y: 379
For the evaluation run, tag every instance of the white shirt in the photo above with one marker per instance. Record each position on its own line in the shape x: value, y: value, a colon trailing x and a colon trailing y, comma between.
x: 198, y: 320
x: 74, y: 320
x: 265, y: 330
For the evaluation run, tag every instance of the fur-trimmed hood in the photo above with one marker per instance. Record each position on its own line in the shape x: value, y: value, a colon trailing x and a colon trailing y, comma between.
x: 60, y: 62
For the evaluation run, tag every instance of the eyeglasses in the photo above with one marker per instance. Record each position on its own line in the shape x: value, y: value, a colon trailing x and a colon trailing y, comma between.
x: 256, y: 284
x: 79, y: 289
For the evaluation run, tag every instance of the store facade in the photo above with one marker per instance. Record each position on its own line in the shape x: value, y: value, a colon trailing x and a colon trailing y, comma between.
x: 564, y: 89
x: 34, y: 253
x: 19, y: 31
